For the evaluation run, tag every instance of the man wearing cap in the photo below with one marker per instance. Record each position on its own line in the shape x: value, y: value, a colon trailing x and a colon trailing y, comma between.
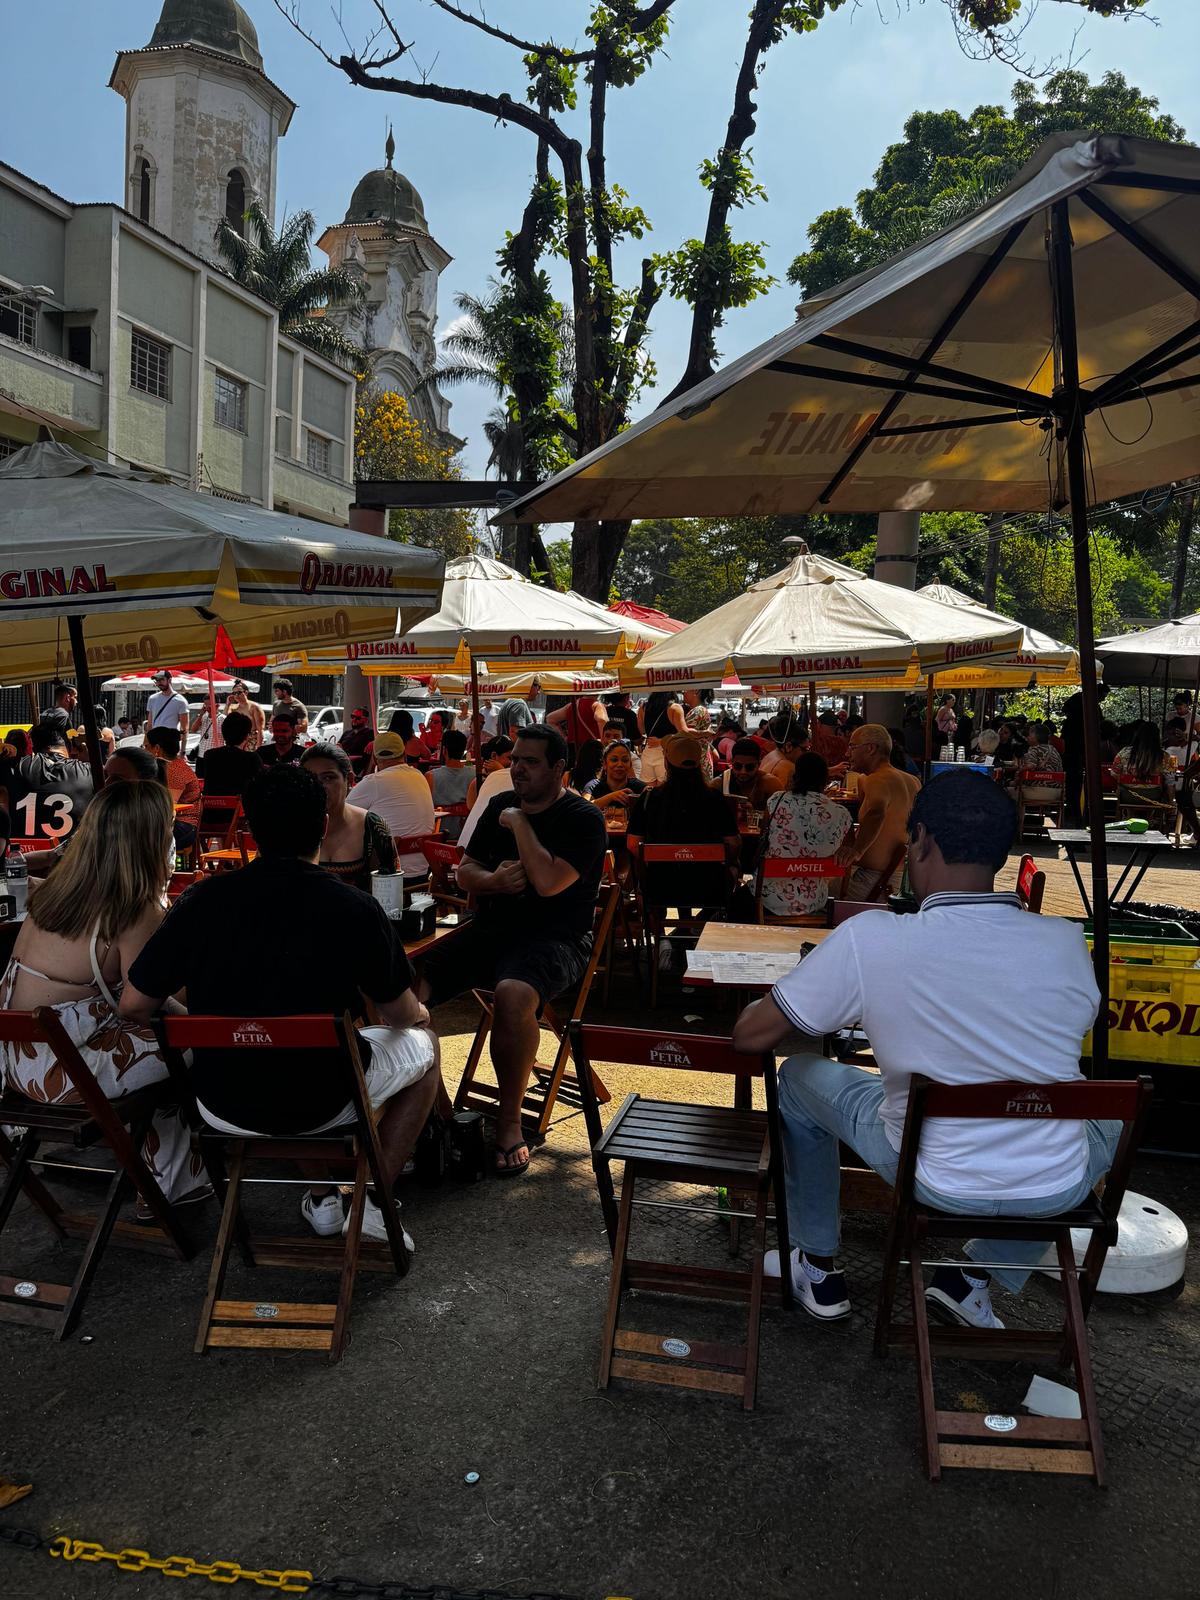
x: 167, y: 708
x: 399, y: 795
x: 356, y: 740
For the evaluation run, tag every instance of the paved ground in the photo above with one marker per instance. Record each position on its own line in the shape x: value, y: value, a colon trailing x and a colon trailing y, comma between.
x: 483, y: 1360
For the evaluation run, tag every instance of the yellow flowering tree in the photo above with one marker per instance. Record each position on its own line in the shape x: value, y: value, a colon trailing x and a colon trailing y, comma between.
x: 390, y: 442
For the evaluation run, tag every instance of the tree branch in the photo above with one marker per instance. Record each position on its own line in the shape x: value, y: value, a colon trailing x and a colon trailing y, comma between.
x: 551, y: 52
x: 648, y: 295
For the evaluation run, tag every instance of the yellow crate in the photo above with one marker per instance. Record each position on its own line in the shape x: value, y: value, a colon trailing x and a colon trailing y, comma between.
x: 1135, y: 952
x: 1153, y: 1015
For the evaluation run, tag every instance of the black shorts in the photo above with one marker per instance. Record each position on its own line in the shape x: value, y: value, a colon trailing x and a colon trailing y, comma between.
x: 480, y: 957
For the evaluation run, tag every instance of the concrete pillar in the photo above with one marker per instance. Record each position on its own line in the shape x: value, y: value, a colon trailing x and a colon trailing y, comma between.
x: 895, y: 562
x: 355, y: 696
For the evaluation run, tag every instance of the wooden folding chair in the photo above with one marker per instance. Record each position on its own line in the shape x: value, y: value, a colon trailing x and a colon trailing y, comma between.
x: 1031, y: 884
x: 625, y: 931
x: 444, y: 858
x: 775, y: 869
x: 1148, y: 801
x: 659, y: 888
x: 216, y: 832
x: 1018, y: 1444
x: 710, y: 1146
x: 1044, y: 793
x: 292, y: 1325
x: 562, y: 1075
x: 119, y: 1124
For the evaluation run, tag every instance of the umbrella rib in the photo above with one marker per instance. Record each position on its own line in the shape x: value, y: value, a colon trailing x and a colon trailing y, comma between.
x: 1135, y: 387
x: 864, y: 380
x: 1154, y: 253
x: 999, y: 392
x: 1149, y: 365
x: 965, y: 301
x: 1151, y: 180
x: 990, y: 420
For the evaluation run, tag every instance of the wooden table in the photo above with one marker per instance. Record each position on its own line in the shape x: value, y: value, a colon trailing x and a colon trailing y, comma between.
x: 750, y: 939
x: 1142, y: 847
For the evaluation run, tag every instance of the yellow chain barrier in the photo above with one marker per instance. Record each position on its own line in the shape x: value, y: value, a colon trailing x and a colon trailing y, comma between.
x: 287, y: 1581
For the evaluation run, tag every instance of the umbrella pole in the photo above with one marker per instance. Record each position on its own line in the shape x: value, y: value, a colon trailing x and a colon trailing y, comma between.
x: 1071, y: 422
x: 476, y: 727
x: 31, y: 696
x: 812, y: 705
x: 87, y: 705
x: 928, y: 724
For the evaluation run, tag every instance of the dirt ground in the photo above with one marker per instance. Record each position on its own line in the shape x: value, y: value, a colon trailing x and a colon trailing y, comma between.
x: 483, y: 1361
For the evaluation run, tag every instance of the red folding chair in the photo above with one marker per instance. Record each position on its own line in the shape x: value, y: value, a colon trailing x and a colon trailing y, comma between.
x: 1031, y: 884
x: 781, y: 869
x: 92, y: 1119
x: 216, y: 831
x: 292, y: 1325
x: 444, y: 858
x: 973, y: 1438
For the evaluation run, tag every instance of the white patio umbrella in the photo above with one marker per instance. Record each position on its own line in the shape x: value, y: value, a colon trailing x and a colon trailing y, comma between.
x: 1160, y: 656
x: 100, y: 564
x: 963, y: 374
x: 819, y: 622
x: 1038, y: 656
x: 185, y: 682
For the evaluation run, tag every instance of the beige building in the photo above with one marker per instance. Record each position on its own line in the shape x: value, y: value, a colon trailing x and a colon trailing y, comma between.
x: 123, y: 339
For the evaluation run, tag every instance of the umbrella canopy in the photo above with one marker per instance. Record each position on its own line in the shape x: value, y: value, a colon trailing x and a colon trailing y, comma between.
x: 492, y: 613
x: 820, y: 621
x: 184, y: 682
x: 1038, y: 655
x: 153, y: 570
x: 1161, y: 656
x: 928, y: 382
x: 648, y: 616
x: 496, y: 684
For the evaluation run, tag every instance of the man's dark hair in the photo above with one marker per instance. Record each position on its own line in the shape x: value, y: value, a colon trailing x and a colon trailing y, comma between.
x: 286, y: 812
x: 969, y: 817
x: 1177, y: 725
x: 454, y: 744
x: 747, y: 748
x: 555, y: 745
x: 499, y: 746
x: 164, y: 739
x: 236, y: 727
x: 283, y: 683
x: 617, y: 726
x: 60, y: 689
x: 143, y: 763
x: 47, y: 736
x: 1183, y: 698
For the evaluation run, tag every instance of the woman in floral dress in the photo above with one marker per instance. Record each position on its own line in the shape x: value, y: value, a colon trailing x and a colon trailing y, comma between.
x: 86, y: 926
x: 801, y: 822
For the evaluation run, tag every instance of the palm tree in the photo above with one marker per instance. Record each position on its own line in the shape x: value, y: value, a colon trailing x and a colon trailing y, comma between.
x: 278, y: 266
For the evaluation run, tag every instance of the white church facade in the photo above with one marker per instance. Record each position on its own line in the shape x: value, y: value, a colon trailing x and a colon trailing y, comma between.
x: 121, y: 329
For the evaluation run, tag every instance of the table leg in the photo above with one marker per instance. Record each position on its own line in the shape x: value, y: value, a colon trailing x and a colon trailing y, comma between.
x: 1148, y: 852
x: 1083, y: 894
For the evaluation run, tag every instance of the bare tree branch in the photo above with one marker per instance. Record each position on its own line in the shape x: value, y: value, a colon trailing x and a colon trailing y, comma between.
x: 551, y: 52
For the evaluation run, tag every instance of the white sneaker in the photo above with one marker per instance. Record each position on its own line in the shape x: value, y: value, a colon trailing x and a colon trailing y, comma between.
x: 969, y: 1304
x: 822, y: 1294
x: 323, y: 1216
x: 374, y: 1227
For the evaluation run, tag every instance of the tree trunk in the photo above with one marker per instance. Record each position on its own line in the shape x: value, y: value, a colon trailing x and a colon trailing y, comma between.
x: 595, y: 551
x: 1183, y: 544
x: 991, y: 569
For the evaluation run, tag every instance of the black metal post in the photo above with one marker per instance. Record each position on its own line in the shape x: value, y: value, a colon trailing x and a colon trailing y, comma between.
x: 87, y: 705
x: 1072, y: 425
x: 476, y: 724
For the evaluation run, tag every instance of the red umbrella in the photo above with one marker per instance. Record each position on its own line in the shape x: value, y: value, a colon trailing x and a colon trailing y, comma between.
x: 649, y: 615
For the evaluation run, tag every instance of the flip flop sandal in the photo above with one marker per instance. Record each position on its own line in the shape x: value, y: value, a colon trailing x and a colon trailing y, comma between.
x: 512, y: 1170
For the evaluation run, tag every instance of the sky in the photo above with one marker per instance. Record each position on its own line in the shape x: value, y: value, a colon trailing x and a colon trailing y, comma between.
x: 829, y: 104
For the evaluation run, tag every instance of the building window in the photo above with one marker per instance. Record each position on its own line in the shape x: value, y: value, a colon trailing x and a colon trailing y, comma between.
x: 79, y: 345
x: 318, y: 453
x: 235, y: 202
x: 143, y: 189
x: 229, y: 408
x: 9, y: 447
x: 18, y: 318
x: 150, y: 365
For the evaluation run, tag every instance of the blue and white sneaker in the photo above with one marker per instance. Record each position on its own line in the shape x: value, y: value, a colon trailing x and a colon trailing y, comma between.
x: 955, y: 1297
x: 822, y: 1294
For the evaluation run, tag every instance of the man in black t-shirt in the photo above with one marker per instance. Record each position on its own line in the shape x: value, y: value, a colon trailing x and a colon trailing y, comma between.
x: 228, y: 768
x: 61, y: 714
x: 357, y: 739
x: 535, y: 867
x: 285, y: 748
x: 45, y: 793
x: 211, y: 943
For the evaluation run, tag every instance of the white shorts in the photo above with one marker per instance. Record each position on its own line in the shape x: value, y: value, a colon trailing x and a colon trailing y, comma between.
x: 399, y: 1057
x: 654, y: 764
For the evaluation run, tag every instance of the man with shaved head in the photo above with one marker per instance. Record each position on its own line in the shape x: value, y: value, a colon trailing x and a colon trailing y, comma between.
x: 887, y: 798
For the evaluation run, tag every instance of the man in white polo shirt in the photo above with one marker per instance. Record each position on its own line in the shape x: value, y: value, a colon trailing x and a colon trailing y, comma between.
x: 889, y: 974
x: 399, y: 795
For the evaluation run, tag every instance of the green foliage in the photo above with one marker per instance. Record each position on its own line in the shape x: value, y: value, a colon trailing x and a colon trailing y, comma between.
x: 629, y: 50
x: 947, y: 164
x: 558, y: 553
x: 278, y: 266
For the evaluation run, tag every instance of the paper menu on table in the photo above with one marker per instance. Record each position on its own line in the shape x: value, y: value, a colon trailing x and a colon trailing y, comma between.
x: 750, y: 968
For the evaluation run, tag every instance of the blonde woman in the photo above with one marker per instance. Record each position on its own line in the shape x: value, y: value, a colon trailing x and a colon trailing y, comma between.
x: 87, y: 923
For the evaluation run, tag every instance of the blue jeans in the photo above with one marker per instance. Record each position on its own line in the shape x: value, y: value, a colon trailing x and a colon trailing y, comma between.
x: 822, y: 1102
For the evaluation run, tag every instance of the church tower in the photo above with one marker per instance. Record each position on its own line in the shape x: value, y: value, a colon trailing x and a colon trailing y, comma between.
x: 202, y: 124
x: 385, y: 241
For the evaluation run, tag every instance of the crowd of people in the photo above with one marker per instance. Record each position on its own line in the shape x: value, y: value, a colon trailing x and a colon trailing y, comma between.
x: 556, y: 797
